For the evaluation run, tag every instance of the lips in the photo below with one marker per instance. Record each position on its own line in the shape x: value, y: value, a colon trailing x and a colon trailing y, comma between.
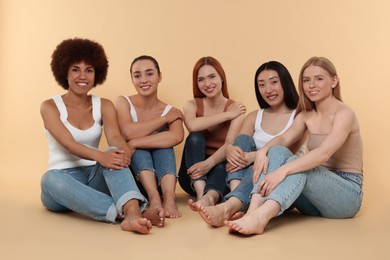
x: 145, y: 88
x: 272, y: 97
x: 209, y: 89
x: 82, y: 84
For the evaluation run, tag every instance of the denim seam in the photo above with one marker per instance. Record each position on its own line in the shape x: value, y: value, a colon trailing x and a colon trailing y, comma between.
x: 282, y: 200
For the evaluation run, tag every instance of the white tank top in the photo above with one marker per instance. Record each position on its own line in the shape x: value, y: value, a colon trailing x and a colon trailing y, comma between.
x: 260, y: 136
x: 59, y: 157
x: 133, y: 113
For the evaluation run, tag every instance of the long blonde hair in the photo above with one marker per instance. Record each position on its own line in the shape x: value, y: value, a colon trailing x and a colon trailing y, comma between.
x: 304, y: 103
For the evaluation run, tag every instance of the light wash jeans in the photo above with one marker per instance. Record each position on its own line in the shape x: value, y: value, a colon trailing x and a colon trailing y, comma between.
x: 318, y: 192
x: 243, y: 190
x: 193, y: 152
x: 93, y: 191
x: 160, y: 161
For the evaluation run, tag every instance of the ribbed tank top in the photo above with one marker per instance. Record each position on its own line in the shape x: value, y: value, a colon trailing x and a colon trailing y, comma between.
x: 216, y: 138
x: 59, y: 157
x: 348, y: 158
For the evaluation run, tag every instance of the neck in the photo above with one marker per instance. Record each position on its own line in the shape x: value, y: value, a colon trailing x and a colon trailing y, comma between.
x: 326, y: 105
x: 215, y: 101
x: 146, y: 102
x: 279, y: 109
x: 72, y: 98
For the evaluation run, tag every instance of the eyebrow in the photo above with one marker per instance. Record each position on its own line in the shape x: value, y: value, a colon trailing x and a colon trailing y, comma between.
x: 271, y: 78
x: 148, y: 70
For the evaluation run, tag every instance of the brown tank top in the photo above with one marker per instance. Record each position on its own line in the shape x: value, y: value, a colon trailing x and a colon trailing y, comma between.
x: 215, y: 138
x: 348, y: 158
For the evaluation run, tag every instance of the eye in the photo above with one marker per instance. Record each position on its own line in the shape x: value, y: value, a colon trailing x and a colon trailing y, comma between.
x: 305, y: 80
x: 261, y: 85
x: 200, y: 80
x: 274, y: 82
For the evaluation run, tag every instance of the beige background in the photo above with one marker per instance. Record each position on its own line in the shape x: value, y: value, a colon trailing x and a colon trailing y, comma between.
x: 241, y: 35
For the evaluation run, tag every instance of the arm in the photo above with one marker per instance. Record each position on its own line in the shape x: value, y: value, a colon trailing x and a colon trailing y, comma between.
x: 164, y: 139
x: 237, y: 159
x: 52, y: 122
x: 344, y: 122
x: 130, y: 129
x: 292, y: 135
x: 199, y: 169
x: 196, y: 124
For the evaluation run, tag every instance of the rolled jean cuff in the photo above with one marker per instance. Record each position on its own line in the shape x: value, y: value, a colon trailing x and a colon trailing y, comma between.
x: 129, y: 196
x: 239, y: 196
x: 111, y: 214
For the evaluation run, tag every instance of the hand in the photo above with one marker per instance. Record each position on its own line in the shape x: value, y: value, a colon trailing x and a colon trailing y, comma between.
x: 260, y: 165
x: 236, y: 109
x: 236, y: 157
x: 173, y: 115
x: 230, y: 168
x: 269, y: 183
x: 114, y: 159
x: 198, y: 170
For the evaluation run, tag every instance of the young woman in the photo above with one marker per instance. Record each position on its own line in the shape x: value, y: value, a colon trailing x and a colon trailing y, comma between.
x: 80, y: 177
x: 213, y: 121
x: 151, y: 128
x: 327, y: 181
x: 277, y: 98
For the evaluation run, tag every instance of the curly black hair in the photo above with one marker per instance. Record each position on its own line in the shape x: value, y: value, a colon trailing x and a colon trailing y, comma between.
x: 72, y: 51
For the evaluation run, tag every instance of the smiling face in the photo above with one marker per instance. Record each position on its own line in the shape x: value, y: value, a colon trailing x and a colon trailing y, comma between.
x: 145, y: 77
x: 270, y: 87
x: 209, y: 81
x: 317, y: 83
x: 81, y: 77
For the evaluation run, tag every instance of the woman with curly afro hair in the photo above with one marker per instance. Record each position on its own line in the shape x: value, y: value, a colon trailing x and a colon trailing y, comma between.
x: 80, y: 178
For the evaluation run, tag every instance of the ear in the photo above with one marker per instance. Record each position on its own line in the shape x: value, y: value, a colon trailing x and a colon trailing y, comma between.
x: 335, y: 81
x: 160, y: 77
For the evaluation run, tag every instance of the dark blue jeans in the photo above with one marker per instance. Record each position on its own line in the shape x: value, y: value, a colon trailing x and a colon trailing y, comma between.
x: 194, y: 152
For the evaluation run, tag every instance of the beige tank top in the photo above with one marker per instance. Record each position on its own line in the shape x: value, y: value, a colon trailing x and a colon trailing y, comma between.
x: 348, y: 158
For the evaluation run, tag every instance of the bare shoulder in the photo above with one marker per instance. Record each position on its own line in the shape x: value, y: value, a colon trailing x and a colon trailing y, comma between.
x: 252, y: 115
x: 189, y: 105
x: 48, y: 106
x: 346, y: 114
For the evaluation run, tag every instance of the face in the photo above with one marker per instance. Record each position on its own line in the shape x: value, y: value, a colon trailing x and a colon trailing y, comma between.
x: 270, y: 88
x: 81, y: 77
x: 209, y: 81
x: 317, y: 83
x: 145, y: 77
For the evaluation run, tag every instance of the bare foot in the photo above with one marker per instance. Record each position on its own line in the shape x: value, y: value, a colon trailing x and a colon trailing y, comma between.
x: 237, y: 215
x: 204, y: 202
x: 138, y: 225
x: 156, y: 216
x: 215, y: 215
x: 170, y: 209
x: 255, y: 221
x: 192, y: 204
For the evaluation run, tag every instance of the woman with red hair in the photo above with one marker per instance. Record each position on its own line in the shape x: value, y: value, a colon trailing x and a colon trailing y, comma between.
x: 213, y: 121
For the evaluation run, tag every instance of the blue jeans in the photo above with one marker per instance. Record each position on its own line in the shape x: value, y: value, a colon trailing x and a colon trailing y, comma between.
x: 243, y: 190
x: 194, y: 152
x: 160, y: 161
x: 247, y: 144
x: 93, y: 191
x: 317, y: 192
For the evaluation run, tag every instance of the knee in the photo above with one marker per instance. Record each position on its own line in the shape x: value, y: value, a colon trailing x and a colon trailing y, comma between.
x: 279, y: 151
x: 49, y: 179
x: 195, y: 138
x: 242, y: 138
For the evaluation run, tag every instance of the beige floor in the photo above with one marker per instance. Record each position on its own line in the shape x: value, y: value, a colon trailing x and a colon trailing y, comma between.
x: 28, y: 231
